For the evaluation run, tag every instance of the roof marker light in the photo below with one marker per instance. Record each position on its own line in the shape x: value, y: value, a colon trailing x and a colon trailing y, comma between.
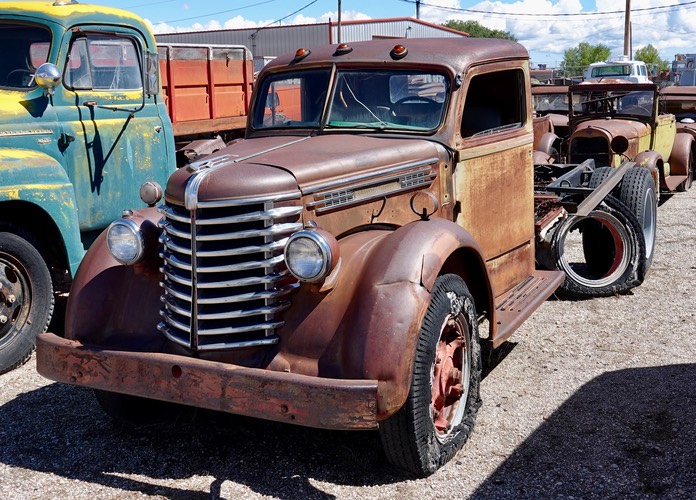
x: 398, y: 52
x: 301, y: 54
x: 343, y: 48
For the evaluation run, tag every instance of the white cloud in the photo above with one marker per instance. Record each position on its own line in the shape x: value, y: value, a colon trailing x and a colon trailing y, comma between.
x: 545, y: 37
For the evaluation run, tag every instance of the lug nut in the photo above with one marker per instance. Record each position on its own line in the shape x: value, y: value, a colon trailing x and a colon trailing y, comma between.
x: 11, y: 299
x: 3, y: 319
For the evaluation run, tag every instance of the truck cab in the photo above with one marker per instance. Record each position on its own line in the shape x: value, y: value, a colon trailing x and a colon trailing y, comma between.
x: 620, y: 68
x: 332, y: 268
x: 81, y: 122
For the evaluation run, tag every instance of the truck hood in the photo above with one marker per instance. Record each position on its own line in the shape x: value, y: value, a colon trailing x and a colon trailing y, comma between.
x: 630, y: 129
x: 282, y: 164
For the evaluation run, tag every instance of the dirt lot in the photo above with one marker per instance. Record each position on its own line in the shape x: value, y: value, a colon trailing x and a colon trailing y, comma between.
x: 591, y: 399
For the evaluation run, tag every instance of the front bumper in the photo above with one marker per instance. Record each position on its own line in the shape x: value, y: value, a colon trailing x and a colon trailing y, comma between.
x: 284, y: 397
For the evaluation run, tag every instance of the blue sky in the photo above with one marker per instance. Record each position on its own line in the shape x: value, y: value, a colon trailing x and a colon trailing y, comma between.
x: 545, y: 27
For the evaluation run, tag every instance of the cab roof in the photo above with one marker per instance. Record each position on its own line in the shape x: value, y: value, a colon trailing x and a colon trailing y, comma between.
x: 457, y: 53
x: 71, y: 14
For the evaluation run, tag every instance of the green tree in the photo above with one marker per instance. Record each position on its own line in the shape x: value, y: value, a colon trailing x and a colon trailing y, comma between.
x: 576, y: 59
x: 650, y: 56
x: 476, y: 30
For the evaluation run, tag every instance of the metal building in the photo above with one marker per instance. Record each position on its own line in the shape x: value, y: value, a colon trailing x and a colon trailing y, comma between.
x: 272, y: 41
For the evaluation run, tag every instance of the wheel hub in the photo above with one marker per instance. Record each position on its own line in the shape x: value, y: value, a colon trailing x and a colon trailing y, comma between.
x: 12, y: 296
x: 449, y: 377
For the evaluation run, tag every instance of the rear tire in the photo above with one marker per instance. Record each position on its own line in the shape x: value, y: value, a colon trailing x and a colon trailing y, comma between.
x: 638, y: 193
x: 26, y: 298
x: 443, y: 400
x: 612, y: 251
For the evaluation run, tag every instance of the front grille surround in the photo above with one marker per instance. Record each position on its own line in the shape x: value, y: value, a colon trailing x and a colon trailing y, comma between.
x: 225, y: 284
x: 595, y: 148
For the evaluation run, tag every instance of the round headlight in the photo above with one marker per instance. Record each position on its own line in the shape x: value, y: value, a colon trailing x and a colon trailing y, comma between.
x: 125, y: 241
x: 309, y: 255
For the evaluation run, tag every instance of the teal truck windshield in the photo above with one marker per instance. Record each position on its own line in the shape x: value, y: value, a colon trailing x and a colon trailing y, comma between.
x: 25, y: 48
x: 359, y: 99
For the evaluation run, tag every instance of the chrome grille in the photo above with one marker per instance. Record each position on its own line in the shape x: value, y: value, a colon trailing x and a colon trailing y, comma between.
x: 225, y: 282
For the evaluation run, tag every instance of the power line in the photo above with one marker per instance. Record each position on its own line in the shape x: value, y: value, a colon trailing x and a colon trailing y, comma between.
x: 667, y: 8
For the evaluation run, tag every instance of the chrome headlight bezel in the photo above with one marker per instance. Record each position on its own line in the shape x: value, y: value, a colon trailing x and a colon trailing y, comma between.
x: 116, y: 244
x: 319, y: 246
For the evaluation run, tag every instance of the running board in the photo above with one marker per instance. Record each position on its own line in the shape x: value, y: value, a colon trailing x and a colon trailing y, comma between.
x: 516, y: 305
x: 672, y: 182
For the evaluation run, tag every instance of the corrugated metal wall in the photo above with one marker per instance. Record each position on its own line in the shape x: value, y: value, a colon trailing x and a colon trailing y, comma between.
x: 269, y: 42
x: 277, y: 40
x: 402, y: 28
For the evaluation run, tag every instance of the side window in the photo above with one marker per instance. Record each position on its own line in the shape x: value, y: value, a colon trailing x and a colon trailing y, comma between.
x: 494, y: 103
x: 103, y: 63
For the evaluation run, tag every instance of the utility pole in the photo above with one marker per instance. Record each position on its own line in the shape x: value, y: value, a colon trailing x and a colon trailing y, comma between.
x: 339, y: 21
x: 417, y: 9
x: 627, y: 30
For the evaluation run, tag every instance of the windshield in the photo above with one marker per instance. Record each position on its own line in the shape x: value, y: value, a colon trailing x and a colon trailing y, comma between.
x: 613, y: 70
x: 617, y: 102
x: 359, y: 99
x: 550, y: 103
x: 682, y: 109
x: 25, y: 48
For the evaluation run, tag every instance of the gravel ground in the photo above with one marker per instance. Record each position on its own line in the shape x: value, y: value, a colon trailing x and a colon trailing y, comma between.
x: 589, y: 399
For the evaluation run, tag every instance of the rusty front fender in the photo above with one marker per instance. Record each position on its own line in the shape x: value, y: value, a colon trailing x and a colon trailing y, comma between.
x: 681, y: 154
x: 371, y: 318
x: 652, y: 160
x: 108, y: 298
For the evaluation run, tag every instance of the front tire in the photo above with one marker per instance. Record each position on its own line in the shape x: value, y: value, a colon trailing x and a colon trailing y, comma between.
x: 443, y: 400
x: 26, y: 298
x: 136, y: 412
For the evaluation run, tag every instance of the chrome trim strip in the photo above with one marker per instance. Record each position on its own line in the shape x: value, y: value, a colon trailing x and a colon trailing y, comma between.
x: 211, y: 347
x: 242, y: 266
x: 249, y: 201
x: 269, y: 279
x: 16, y: 133
x: 270, y: 247
x: 267, y: 295
x: 370, y: 175
x: 232, y: 331
x: 426, y: 174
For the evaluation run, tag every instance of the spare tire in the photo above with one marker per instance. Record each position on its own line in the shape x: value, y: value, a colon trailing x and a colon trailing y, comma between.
x: 601, y: 253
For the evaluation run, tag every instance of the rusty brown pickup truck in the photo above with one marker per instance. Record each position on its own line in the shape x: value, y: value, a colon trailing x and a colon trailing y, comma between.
x: 332, y: 268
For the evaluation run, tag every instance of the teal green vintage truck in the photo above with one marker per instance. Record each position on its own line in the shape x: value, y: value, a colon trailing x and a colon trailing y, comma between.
x: 84, y: 121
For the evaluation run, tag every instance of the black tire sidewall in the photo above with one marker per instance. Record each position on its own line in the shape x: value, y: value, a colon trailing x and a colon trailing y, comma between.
x: 413, y: 423
x: 18, y: 345
x: 636, y: 185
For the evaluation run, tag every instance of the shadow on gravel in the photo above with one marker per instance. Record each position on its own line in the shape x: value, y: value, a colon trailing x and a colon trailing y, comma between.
x: 60, y: 429
x: 626, y: 434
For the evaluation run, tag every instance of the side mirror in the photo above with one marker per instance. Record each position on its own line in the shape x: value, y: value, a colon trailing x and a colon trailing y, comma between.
x: 152, y: 83
x: 48, y: 77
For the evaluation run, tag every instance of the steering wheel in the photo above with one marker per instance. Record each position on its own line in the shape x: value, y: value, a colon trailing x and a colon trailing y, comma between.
x: 21, y: 76
x: 415, y: 98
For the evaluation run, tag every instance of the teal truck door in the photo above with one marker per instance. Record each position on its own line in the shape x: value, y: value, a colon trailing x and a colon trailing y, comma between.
x: 114, y: 134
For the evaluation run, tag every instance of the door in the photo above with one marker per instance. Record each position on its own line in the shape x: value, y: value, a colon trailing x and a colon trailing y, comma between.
x: 114, y: 136
x: 494, y: 179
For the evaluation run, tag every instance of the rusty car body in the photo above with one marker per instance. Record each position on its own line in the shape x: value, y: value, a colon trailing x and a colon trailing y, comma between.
x: 613, y: 122
x: 331, y: 269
